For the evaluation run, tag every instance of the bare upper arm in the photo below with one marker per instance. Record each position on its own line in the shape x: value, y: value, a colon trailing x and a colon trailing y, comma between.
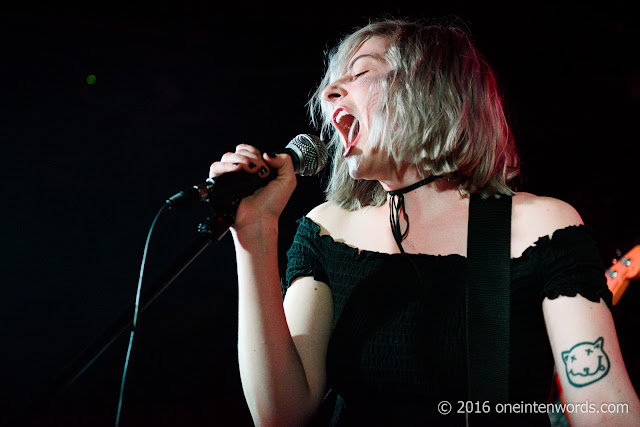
x: 308, y: 307
x: 581, y: 332
x: 587, y: 356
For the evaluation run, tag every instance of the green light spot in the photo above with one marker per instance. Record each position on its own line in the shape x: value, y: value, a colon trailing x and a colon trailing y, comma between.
x: 91, y: 79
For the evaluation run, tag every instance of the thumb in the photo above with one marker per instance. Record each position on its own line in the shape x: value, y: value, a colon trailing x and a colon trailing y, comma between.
x: 281, y: 161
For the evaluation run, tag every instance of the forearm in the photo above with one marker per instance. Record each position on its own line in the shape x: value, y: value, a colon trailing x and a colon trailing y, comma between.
x: 272, y: 374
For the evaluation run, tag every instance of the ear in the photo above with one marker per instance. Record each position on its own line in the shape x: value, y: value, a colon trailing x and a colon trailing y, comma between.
x: 599, y: 343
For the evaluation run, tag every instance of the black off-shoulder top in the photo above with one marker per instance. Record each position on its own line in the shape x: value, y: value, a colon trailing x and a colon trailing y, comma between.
x: 398, y: 344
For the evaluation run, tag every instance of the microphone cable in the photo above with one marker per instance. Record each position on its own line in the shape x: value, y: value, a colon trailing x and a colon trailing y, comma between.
x: 309, y: 155
x: 135, y: 314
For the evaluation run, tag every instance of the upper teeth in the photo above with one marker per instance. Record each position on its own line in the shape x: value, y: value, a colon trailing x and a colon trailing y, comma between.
x: 340, y: 115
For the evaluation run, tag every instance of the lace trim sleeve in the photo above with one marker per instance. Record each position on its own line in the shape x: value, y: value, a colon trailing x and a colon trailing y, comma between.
x: 570, y: 264
x: 304, y: 256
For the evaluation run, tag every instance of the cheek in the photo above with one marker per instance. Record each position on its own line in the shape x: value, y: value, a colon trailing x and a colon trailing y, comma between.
x: 374, y: 99
x: 368, y: 98
x: 375, y: 121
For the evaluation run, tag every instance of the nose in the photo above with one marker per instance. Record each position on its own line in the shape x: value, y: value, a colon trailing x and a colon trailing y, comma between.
x: 334, y: 91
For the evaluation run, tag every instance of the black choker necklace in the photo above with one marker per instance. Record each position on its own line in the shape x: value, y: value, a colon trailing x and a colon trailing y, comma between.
x: 397, y: 203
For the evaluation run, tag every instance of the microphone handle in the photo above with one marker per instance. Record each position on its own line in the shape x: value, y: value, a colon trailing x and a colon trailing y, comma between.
x: 229, y: 188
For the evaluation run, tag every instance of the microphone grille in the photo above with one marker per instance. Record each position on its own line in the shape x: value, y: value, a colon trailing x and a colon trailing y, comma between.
x: 312, y: 153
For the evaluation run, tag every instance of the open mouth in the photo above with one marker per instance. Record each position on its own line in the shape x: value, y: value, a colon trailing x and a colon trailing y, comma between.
x: 349, y: 128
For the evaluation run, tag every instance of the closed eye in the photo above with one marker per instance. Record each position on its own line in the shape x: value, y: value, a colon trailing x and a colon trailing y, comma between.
x: 360, y: 74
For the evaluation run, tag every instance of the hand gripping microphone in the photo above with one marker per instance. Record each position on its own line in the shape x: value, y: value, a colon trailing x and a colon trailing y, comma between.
x: 308, y: 153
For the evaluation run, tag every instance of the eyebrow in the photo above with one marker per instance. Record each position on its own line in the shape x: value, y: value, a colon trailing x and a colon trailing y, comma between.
x: 374, y: 56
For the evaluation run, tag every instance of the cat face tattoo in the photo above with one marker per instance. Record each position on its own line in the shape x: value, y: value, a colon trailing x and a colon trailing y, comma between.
x: 586, y: 363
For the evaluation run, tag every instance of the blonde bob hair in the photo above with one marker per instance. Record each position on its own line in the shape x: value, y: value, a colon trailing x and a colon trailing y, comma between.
x: 443, y: 101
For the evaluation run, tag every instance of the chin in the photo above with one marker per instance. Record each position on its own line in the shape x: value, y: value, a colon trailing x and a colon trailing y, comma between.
x: 354, y: 174
x: 353, y: 162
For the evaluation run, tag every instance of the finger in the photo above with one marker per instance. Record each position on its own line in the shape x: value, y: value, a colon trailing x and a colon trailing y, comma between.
x: 218, y: 168
x: 250, y: 154
x: 232, y: 162
x: 249, y: 148
x: 281, y: 161
x: 253, y: 160
x: 249, y: 163
x: 241, y: 157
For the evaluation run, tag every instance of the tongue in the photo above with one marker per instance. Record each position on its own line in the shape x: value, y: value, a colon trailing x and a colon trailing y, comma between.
x: 345, y: 124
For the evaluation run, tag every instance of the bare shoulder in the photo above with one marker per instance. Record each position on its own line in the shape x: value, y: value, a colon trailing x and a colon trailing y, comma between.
x: 330, y: 217
x: 322, y: 211
x: 345, y: 225
x: 545, y: 212
x: 537, y: 216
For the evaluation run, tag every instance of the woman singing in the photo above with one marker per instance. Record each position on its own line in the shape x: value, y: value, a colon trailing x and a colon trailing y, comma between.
x: 375, y: 300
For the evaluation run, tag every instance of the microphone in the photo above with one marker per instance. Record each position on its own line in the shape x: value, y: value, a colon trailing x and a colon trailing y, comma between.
x: 308, y: 154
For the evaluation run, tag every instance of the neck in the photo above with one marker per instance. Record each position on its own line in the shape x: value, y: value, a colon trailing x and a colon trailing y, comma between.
x: 431, y: 198
x: 409, y: 188
x: 397, y: 200
x: 401, y: 176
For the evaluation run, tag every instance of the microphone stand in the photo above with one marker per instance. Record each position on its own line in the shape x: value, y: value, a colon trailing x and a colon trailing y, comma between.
x: 212, y: 229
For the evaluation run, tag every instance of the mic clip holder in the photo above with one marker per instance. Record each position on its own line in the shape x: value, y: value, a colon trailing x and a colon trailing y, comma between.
x: 223, y: 195
x: 223, y: 215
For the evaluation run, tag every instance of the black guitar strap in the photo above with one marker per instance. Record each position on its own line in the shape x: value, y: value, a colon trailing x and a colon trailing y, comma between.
x: 488, y: 299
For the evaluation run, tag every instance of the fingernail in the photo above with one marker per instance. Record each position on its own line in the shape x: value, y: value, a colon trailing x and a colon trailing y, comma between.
x: 263, y: 171
x: 235, y: 164
x: 252, y: 165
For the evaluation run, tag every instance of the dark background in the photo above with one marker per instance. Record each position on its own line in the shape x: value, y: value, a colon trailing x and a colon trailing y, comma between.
x: 86, y: 167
